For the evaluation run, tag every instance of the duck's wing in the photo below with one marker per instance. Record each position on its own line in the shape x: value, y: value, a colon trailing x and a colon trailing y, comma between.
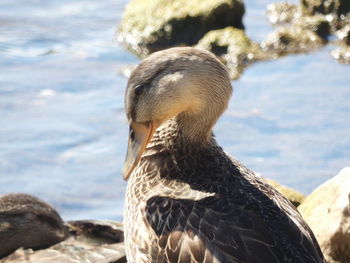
x: 215, y: 229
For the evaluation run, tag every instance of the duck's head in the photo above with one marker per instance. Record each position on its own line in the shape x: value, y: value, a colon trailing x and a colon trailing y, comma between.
x: 187, y: 83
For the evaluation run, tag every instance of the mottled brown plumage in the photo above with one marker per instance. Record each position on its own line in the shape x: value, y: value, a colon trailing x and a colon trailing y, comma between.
x: 187, y: 200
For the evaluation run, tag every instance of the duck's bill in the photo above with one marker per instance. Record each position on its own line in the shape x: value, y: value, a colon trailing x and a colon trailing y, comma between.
x: 139, y: 136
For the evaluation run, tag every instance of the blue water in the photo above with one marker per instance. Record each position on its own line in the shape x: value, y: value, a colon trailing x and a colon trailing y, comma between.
x: 63, y: 132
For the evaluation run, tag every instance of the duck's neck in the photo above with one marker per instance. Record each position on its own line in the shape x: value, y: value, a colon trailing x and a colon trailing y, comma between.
x: 196, y: 127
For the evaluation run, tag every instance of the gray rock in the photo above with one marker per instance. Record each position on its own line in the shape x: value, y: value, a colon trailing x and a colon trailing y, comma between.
x: 327, y: 211
x: 89, y: 241
x: 71, y: 251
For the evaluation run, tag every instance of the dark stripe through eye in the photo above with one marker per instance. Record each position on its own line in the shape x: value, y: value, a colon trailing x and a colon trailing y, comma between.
x: 139, y: 89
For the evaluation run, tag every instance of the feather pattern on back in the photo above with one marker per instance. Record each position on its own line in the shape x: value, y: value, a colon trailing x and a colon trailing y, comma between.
x: 190, y: 203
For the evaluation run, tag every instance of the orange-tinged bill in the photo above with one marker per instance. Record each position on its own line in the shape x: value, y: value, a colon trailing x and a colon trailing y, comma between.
x: 139, y: 136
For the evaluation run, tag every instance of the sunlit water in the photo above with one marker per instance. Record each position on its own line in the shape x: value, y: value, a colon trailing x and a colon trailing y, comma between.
x: 63, y: 132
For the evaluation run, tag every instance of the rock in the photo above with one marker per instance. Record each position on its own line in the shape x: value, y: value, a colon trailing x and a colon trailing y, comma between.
x: 152, y: 25
x: 338, y: 7
x: 317, y: 23
x: 282, y: 13
x: 292, y: 195
x: 90, y: 241
x: 219, y: 41
x: 71, y: 251
x: 327, y: 211
x: 344, y: 34
x: 233, y: 47
x: 96, y: 231
x: 291, y: 40
x: 342, y: 54
x: 28, y: 222
x: 286, y: 13
x: 343, y: 21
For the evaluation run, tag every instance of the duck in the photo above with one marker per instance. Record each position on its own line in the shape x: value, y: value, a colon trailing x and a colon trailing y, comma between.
x: 28, y: 222
x: 31, y: 230
x: 187, y: 200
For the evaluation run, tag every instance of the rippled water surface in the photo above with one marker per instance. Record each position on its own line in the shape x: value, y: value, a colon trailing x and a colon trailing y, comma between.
x: 63, y: 131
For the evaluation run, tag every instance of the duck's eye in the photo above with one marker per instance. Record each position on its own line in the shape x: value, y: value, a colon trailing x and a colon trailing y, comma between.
x: 132, y: 134
x: 139, y: 89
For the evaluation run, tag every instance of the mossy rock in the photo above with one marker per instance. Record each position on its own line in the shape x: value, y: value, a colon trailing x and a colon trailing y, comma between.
x: 152, y: 25
x: 220, y: 41
x: 282, y: 13
x: 316, y: 23
x: 233, y: 47
x: 344, y: 34
x: 326, y: 210
x: 338, y: 7
x: 292, y: 195
x: 291, y: 40
x: 342, y: 54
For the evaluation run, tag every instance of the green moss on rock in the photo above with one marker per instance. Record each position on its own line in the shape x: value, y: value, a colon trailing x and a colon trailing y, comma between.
x: 233, y: 47
x: 338, y: 7
x: 282, y: 13
x: 317, y: 24
x: 289, y: 40
x: 219, y: 41
x: 344, y: 34
x: 151, y: 25
x: 342, y: 54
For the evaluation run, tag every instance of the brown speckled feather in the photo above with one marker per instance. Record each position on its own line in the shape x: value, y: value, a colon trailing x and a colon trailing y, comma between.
x: 199, y: 205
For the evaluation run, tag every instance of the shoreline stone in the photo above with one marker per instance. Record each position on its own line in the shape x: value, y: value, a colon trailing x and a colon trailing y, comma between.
x: 316, y: 23
x: 344, y: 34
x: 325, y: 18
x: 149, y: 26
x: 342, y: 54
x: 338, y: 7
x: 233, y: 47
x: 327, y: 211
x: 297, y: 31
x: 216, y: 25
x: 90, y: 241
x: 282, y: 13
x: 291, y: 40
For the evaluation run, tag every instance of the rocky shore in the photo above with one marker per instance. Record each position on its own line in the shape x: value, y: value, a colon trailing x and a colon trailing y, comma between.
x: 148, y: 26
x: 326, y: 210
x: 215, y: 25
